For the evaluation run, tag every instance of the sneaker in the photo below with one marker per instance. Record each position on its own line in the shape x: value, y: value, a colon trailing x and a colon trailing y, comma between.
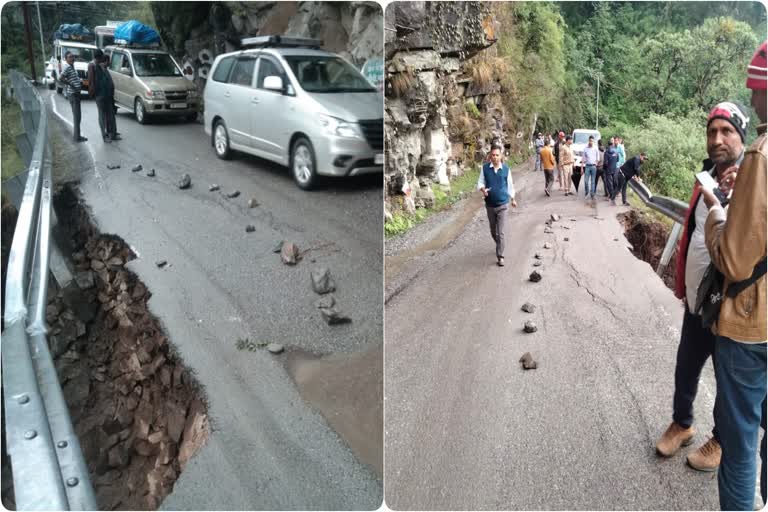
x: 546, y: 191
x: 707, y: 457
x: 675, y: 437
x: 500, y: 263
x: 625, y: 203
x: 81, y: 139
x: 116, y: 136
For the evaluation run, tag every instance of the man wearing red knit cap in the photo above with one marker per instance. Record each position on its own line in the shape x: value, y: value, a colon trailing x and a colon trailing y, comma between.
x: 737, y: 246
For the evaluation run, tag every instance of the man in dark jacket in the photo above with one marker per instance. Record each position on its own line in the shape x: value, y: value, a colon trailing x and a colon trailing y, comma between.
x: 102, y: 89
x: 610, y: 163
x: 630, y: 170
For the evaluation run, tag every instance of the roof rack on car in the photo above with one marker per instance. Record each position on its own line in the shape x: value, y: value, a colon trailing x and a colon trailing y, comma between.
x: 125, y: 44
x: 280, y: 41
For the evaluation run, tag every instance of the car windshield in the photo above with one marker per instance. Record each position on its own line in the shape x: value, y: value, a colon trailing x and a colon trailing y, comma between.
x: 327, y: 74
x: 154, y: 64
x: 583, y: 137
x: 81, y: 54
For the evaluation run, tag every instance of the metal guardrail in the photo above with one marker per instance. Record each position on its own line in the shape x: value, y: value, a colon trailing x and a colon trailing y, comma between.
x: 672, y: 208
x: 49, y: 472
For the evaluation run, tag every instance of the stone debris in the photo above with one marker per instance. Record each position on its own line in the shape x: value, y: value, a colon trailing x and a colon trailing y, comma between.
x: 566, y: 239
x: 537, y: 263
x: 555, y: 217
x: 326, y: 302
x: 84, y: 280
x: 322, y: 282
x: 250, y: 228
x: 278, y: 247
x: 530, y: 327
x: 548, y: 230
x: 151, y: 173
x: 573, y: 219
x: 275, y: 348
x: 137, y: 168
x: 528, y: 362
x: 528, y: 307
x: 547, y: 245
x: 233, y: 194
x: 289, y: 253
x: 332, y: 316
x: 615, y: 239
x: 213, y: 188
x: 253, y: 203
x: 161, y: 263
x: 535, y: 276
x: 564, y: 226
x: 538, y: 256
x: 113, y: 166
x: 184, y: 182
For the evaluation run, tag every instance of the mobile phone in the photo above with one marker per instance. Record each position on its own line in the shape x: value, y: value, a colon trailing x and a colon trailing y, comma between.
x: 709, y: 183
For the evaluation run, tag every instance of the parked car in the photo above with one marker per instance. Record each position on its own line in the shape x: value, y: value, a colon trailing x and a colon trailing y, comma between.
x: 580, y: 140
x: 149, y: 82
x: 286, y: 100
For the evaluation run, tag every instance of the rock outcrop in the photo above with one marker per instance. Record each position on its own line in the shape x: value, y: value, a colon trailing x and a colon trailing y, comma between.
x: 196, y: 32
x: 443, y: 108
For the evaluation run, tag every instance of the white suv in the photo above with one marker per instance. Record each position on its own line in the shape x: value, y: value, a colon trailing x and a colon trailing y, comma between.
x: 287, y: 101
x: 580, y: 140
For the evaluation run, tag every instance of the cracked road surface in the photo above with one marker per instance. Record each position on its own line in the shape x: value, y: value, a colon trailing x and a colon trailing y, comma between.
x: 268, y: 448
x: 467, y: 428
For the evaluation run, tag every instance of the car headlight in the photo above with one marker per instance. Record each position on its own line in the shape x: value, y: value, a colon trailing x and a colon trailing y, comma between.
x: 192, y: 93
x: 158, y: 95
x: 339, y: 127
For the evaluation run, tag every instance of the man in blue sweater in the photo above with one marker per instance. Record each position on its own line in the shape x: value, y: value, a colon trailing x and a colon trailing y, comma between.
x: 495, y: 183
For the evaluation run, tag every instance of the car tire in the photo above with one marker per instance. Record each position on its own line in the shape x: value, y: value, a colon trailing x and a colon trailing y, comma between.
x: 220, y: 140
x: 303, y: 164
x: 51, y: 84
x: 140, y: 111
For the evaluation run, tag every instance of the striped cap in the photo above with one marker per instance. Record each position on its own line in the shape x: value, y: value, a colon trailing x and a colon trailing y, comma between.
x: 757, y: 71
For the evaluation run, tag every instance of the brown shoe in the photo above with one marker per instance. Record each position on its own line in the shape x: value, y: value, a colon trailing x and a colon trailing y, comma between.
x: 675, y: 437
x: 707, y: 457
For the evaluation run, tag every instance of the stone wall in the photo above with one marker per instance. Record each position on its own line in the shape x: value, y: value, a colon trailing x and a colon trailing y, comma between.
x: 440, y: 114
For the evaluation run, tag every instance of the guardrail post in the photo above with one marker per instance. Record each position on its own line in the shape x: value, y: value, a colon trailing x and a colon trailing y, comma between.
x: 674, y: 236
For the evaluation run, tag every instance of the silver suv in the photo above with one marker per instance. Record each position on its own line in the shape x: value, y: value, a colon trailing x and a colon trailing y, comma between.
x: 150, y: 83
x: 287, y: 101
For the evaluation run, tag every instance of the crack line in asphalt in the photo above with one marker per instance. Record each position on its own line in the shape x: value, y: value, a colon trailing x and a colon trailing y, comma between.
x: 595, y: 297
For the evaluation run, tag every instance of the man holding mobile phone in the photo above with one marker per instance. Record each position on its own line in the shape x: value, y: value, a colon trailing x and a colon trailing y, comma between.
x: 726, y: 126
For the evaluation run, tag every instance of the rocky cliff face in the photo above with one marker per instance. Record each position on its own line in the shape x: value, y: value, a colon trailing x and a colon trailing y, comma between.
x: 196, y: 32
x: 442, y: 98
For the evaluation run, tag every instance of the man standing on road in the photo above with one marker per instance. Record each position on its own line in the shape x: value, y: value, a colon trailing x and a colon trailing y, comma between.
x: 539, y: 143
x: 102, y: 89
x: 495, y: 183
x: 726, y: 127
x: 566, y: 164
x: 559, y: 144
x: 74, y: 84
x: 591, y: 156
x: 610, y: 164
x: 630, y: 170
x: 548, y: 163
x: 737, y: 246
x: 620, y: 150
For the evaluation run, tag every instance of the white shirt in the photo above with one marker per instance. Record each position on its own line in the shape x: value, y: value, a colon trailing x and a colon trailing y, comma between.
x: 510, y: 184
x: 698, y: 256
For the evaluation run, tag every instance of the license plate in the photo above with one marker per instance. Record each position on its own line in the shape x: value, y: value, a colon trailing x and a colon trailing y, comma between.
x: 178, y: 105
x: 378, y: 159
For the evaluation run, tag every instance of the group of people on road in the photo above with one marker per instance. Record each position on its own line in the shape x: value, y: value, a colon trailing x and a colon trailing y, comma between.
x: 554, y: 155
x: 721, y: 263
x: 100, y: 88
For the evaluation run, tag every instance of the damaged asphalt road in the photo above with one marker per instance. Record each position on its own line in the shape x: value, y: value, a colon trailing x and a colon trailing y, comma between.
x: 579, y: 431
x: 268, y: 449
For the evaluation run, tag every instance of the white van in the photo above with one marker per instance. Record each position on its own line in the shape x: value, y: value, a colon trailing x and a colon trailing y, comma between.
x: 83, y: 53
x: 285, y: 100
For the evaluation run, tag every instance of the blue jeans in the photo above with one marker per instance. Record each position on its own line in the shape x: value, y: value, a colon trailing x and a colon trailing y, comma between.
x: 739, y: 413
x: 590, y: 180
x: 537, y: 163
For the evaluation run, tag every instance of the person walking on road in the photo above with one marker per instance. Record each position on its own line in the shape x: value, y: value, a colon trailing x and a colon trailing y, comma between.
x: 737, y: 246
x: 559, y: 144
x: 102, y: 89
x: 548, y: 163
x: 629, y: 171
x: 600, y: 166
x: 566, y: 164
x: 726, y: 127
x: 620, y: 150
x: 498, y: 189
x: 539, y: 143
x: 591, y: 156
x: 74, y: 85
